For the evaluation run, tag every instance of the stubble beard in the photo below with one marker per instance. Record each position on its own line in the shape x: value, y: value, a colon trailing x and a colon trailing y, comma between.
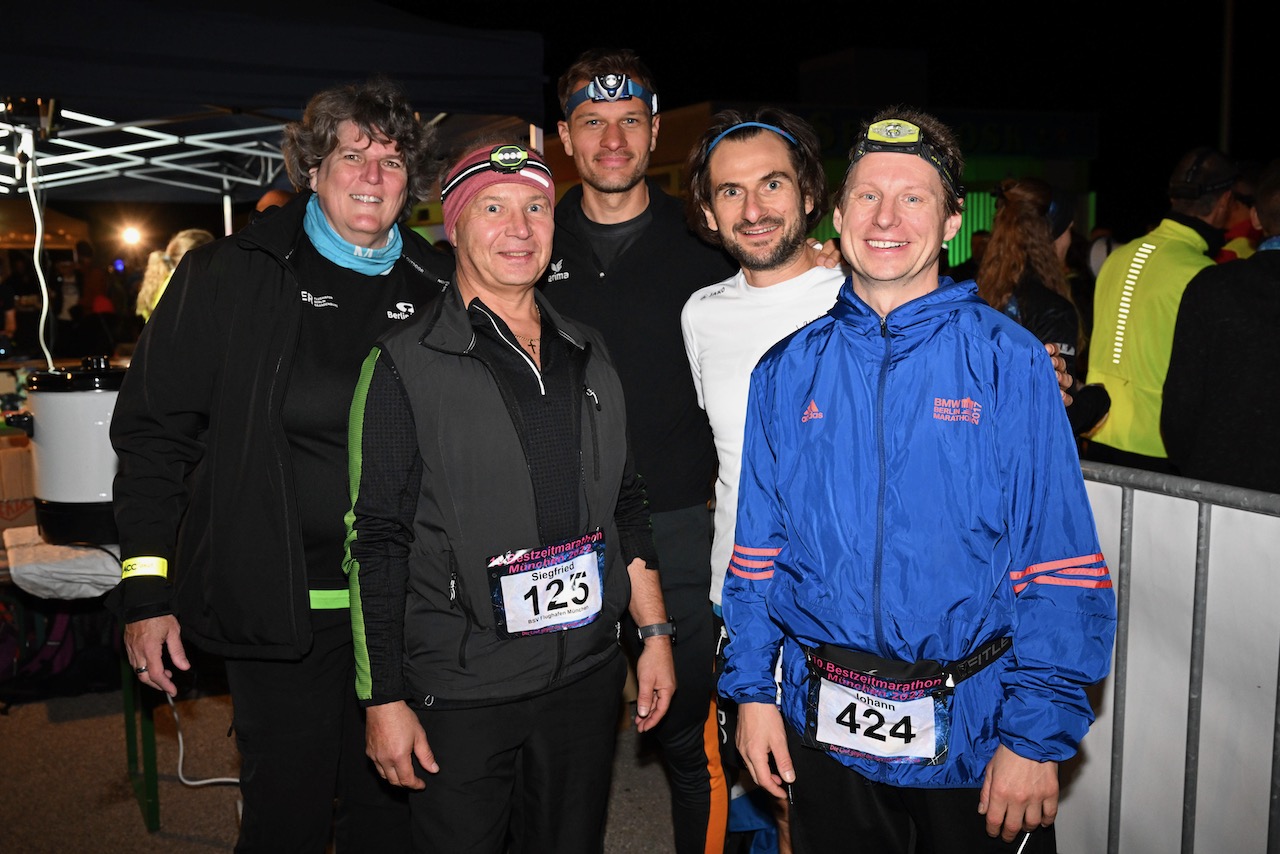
x: 783, y: 252
x: 615, y: 183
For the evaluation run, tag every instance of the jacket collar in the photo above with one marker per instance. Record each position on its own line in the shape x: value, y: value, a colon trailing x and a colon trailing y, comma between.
x: 278, y: 230
x: 1214, y: 238
x: 449, y: 328
x: 851, y: 310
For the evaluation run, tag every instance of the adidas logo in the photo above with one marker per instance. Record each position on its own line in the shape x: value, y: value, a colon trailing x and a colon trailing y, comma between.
x: 811, y: 412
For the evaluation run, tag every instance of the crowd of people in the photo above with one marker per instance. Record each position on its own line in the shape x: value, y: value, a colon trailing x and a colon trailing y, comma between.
x: 825, y: 499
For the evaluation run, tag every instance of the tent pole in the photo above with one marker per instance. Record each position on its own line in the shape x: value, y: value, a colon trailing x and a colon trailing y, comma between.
x: 226, y: 213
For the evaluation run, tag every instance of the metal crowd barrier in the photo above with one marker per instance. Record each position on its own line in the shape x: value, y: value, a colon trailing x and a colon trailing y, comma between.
x: 1207, y: 496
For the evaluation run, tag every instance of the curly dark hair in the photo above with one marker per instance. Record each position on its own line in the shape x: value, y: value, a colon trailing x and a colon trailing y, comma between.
x: 806, y: 159
x: 932, y: 131
x: 381, y: 110
x: 597, y: 61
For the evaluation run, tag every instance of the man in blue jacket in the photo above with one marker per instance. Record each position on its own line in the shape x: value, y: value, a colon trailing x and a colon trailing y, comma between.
x: 914, y: 542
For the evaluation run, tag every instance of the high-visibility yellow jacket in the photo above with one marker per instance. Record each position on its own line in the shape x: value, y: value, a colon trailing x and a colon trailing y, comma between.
x: 1135, y: 307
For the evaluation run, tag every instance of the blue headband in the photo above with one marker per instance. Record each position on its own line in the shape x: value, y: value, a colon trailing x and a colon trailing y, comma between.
x: 611, y: 87
x: 779, y: 131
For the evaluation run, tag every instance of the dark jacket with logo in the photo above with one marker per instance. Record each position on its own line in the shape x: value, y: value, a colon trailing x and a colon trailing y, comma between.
x: 442, y: 484
x: 636, y: 305
x: 205, y: 478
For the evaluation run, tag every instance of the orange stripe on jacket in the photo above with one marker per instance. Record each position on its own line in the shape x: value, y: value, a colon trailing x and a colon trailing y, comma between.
x: 1099, y: 584
x: 750, y: 576
x: 1052, y: 565
x: 747, y: 550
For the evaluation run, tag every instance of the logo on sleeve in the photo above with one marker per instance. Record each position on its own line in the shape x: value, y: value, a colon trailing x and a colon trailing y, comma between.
x: 811, y: 412
x: 952, y: 409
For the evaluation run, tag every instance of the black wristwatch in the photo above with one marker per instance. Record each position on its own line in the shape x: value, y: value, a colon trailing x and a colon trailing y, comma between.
x: 655, y: 629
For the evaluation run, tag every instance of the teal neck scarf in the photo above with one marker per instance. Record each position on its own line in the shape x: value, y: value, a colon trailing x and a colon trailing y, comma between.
x: 370, y: 262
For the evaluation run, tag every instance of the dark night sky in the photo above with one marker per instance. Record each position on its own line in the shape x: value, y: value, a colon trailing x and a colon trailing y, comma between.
x: 1153, y: 77
x: 1155, y: 83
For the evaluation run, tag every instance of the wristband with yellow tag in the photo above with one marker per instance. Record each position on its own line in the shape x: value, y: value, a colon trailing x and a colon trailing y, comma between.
x: 136, y: 567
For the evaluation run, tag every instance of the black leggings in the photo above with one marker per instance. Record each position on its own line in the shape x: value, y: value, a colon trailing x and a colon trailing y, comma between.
x: 300, y: 733
x: 528, y: 775
x: 683, y: 541
x: 834, y: 808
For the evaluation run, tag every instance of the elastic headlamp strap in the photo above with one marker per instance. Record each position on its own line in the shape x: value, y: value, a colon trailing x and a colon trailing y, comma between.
x: 510, y: 159
x: 740, y: 125
x: 902, y: 137
x: 1191, y: 187
x: 611, y: 87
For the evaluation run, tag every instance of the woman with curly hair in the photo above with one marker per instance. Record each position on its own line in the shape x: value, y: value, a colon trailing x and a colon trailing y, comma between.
x: 231, y: 434
x: 1024, y: 275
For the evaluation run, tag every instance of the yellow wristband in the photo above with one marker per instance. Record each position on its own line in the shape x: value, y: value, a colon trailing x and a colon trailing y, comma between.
x: 136, y: 566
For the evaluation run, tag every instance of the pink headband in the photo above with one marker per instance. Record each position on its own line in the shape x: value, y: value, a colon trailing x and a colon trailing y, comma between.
x: 484, y: 167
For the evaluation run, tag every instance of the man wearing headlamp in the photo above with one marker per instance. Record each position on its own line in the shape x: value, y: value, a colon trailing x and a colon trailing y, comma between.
x: 625, y: 262
x: 498, y: 533
x: 913, y: 533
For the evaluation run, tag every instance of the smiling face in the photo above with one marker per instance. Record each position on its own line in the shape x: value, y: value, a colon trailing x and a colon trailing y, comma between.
x: 610, y: 142
x: 893, y: 220
x: 502, y: 240
x: 756, y: 202
x: 361, y: 186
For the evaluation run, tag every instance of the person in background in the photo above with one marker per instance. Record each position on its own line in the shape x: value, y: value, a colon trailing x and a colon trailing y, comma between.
x: 273, y: 198
x: 497, y: 534
x: 1136, y: 303
x: 968, y: 269
x: 8, y: 309
x: 1218, y: 420
x: 1242, y: 236
x: 913, y: 532
x: 231, y: 433
x: 1024, y: 274
x: 93, y: 282
x: 160, y: 266
x: 28, y: 299
x: 1081, y: 281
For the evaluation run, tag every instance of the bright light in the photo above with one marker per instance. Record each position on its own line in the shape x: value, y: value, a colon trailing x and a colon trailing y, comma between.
x: 131, y: 236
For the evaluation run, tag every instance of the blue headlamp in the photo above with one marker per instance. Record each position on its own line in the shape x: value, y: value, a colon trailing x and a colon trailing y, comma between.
x: 611, y: 87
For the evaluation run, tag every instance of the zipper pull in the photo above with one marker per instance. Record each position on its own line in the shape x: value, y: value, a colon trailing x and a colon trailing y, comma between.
x: 591, y: 394
x: 884, y: 328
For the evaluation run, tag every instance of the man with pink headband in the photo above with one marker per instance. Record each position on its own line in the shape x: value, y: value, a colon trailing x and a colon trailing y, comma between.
x: 498, y: 534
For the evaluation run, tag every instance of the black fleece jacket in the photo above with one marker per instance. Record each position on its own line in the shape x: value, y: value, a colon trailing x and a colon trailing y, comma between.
x: 205, y: 478
x: 636, y: 305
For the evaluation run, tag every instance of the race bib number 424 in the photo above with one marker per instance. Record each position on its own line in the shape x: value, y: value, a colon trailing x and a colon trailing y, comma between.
x: 875, y: 715
x: 550, y: 588
x: 877, y: 727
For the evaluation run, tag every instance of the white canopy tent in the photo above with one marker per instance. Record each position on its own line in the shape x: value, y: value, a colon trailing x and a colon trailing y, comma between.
x: 127, y: 100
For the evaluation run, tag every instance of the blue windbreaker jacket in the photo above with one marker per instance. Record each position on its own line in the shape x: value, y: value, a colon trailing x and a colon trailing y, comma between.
x: 911, y: 489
